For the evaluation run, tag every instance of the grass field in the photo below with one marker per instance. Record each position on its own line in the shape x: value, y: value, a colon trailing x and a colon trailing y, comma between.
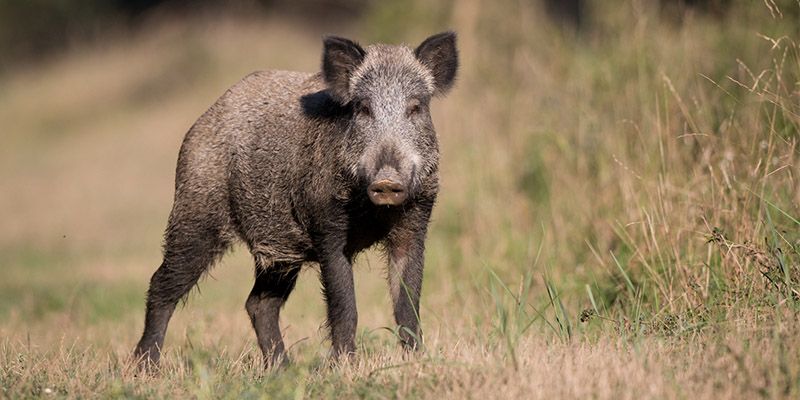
x: 619, y: 215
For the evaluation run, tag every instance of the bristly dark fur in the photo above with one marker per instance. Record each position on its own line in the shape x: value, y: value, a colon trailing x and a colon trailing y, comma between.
x: 283, y: 160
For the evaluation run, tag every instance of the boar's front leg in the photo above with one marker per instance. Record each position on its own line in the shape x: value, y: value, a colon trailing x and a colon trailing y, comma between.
x: 406, y: 255
x: 336, y: 274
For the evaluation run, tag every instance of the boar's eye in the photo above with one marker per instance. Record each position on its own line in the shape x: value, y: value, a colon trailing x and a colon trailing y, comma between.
x: 414, y: 107
x: 363, y: 109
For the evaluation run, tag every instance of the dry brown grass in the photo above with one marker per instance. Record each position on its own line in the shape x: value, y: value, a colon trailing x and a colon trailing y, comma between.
x: 643, y: 177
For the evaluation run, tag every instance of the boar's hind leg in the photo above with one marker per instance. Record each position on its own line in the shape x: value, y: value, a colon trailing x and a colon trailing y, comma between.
x: 273, y: 285
x: 192, y: 244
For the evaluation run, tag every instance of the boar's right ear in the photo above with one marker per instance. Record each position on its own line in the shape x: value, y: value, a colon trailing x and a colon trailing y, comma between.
x: 440, y: 55
x: 340, y: 58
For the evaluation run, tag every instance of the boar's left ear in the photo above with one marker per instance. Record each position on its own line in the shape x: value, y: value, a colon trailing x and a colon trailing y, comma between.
x: 440, y: 55
x: 340, y: 58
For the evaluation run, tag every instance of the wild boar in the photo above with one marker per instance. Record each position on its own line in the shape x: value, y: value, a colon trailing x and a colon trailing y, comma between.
x: 310, y: 169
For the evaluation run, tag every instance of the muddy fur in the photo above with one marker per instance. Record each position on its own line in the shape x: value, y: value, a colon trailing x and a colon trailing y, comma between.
x: 282, y: 162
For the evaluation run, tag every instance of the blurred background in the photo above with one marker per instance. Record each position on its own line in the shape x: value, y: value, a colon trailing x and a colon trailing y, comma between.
x: 633, y: 160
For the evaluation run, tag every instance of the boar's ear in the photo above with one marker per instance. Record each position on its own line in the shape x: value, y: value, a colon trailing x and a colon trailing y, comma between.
x: 440, y: 55
x: 340, y: 58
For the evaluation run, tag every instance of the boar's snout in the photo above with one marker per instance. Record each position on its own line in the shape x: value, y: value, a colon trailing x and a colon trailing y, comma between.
x: 387, y: 193
x: 386, y: 189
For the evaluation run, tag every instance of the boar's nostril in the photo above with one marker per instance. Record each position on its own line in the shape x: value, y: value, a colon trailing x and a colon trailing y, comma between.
x: 387, y: 193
